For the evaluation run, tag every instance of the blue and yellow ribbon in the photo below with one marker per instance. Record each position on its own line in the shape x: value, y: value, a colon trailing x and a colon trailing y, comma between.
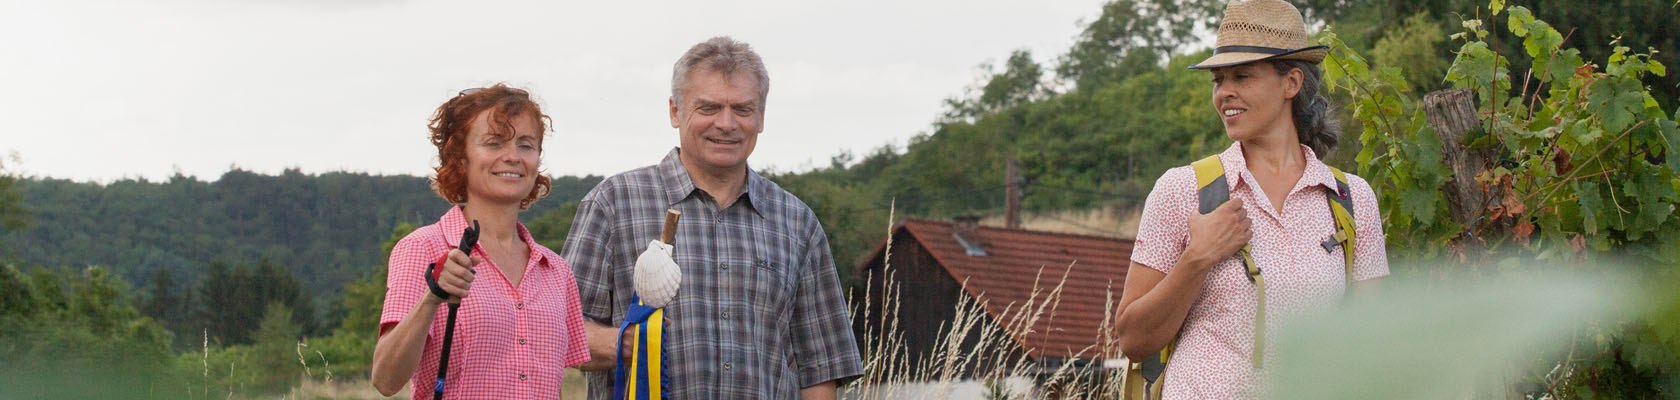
x: 642, y: 379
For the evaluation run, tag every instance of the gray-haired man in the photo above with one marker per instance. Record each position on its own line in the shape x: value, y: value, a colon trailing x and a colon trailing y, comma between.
x: 760, y: 313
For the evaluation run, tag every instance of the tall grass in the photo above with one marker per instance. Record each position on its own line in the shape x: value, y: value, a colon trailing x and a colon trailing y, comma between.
x: 974, y: 344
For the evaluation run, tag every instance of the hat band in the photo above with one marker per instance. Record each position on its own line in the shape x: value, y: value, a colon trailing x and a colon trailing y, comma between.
x: 1258, y: 49
x: 1249, y: 49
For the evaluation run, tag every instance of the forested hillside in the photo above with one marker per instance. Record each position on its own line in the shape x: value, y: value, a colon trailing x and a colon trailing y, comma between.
x: 323, y: 228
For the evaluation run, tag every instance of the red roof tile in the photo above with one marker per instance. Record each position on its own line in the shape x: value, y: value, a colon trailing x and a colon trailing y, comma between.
x: 1016, y: 259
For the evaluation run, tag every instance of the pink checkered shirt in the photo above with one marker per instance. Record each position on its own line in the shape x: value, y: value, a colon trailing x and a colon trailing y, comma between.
x: 510, y: 343
x: 1213, y: 360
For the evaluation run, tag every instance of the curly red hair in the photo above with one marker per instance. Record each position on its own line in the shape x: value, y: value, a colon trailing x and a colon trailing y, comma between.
x: 449, y: 126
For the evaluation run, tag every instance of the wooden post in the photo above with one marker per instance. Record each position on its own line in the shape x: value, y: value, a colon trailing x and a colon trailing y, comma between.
x: 1452, y: 113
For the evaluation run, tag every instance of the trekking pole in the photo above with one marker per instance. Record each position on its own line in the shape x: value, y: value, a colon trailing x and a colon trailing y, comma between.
x: 469, y: 238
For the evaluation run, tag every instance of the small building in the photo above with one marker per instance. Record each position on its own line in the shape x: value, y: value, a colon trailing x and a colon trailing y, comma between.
x: 931, y: 260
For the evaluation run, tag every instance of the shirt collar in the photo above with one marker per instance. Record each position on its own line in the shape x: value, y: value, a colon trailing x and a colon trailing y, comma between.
x: 1315, y: 173
x: 679, y: 185
x: 455, y: 221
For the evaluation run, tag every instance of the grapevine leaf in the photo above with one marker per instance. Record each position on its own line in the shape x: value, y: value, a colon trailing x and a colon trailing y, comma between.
x: 1519, y: 19
x: 1419, y: 204
x: 1542, y: 40
x: 1584, y: 132
x: 1648, y: 187
x: 1561, y: 67
x: 1522, y: 231
x: 1586, y: 194
x: 1474, y: 66
x: 1616, y: 100
x: 1671, y: 136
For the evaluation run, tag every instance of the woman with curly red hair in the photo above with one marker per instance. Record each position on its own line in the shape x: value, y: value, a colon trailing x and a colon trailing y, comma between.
x: 521, y: 326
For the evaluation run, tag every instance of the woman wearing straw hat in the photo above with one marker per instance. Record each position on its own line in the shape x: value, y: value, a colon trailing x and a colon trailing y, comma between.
x: 1188, y: 284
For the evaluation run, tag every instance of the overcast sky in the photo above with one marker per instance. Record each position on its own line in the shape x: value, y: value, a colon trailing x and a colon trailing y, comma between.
x: 103, y: 90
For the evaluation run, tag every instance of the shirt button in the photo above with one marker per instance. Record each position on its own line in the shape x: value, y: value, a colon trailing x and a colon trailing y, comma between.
x: 522, y: 341
x: 726, y: 366
x: 723, y: 266
x: 726, y: 315
x: 519, y: 306
x: 522, y: 377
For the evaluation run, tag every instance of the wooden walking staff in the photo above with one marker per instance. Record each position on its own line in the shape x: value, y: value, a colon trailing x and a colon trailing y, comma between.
x: 668, y: 235
x: 641, y: 378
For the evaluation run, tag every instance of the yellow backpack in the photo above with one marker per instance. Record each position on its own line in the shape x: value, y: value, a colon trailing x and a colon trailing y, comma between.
x: 1143, y: 376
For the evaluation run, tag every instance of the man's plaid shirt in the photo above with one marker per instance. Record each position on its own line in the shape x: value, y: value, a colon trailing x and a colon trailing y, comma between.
x: 760, y: 313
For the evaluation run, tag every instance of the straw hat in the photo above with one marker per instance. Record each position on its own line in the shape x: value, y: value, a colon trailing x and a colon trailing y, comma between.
x: 1254, y: 30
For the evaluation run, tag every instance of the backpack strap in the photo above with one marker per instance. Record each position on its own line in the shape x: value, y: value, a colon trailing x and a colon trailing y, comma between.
x: 1341, y: 207
x: 1211, y: 192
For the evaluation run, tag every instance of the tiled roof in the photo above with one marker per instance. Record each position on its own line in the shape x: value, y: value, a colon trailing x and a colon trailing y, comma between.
x: 1016, y: 260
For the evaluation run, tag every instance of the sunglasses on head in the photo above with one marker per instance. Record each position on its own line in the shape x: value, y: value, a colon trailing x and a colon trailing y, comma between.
x: 520, y: 92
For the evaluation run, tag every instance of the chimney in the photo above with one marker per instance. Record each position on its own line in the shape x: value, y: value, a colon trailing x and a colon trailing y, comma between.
x: 966, y: 228
x: 1011, y: 195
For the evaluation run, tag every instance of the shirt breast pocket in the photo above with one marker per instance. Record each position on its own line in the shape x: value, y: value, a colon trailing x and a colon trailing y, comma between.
x: 772, y: 284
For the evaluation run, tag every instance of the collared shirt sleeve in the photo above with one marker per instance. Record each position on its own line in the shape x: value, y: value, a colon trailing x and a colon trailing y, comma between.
x: 823, y: 345
x: 1371, y: 260
x: 587, y: 250
x: 404, y: 284
x: 1164, y: 228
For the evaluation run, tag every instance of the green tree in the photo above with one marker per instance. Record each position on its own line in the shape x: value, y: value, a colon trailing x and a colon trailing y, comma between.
x: 170, y: 304
x: 12, y: 214
x: 277, y: 352
x: 234, y: 298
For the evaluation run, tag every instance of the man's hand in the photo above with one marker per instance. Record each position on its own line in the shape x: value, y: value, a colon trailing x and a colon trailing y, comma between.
x: 1217, y: 235
x: 604, y: 344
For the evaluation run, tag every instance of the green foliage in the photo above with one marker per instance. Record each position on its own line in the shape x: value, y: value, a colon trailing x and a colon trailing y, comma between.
x: 552, y: 226
x: 234, y: 299
x: 1396, y: 146
x: 61, y: 331
x: 278, y: 355
x: 12, y: 214
x: 348, y: 352
x: 1583, y: 173
x: 1418, y: 48
x: 1018, y: 83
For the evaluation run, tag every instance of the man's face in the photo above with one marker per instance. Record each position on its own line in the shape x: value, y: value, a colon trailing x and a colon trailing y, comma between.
x: 719, y: 120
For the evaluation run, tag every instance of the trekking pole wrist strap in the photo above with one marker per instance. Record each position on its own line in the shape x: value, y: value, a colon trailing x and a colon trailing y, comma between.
x: 432, y: 272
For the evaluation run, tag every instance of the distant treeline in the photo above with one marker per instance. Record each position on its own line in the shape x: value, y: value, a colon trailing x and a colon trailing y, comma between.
x: 322, y: 228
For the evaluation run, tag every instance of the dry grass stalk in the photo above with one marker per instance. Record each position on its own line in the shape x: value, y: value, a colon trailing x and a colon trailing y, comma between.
x: 995, y: 356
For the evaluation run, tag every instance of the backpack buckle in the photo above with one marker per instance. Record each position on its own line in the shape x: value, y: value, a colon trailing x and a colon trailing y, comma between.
x: 1334, y: 240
